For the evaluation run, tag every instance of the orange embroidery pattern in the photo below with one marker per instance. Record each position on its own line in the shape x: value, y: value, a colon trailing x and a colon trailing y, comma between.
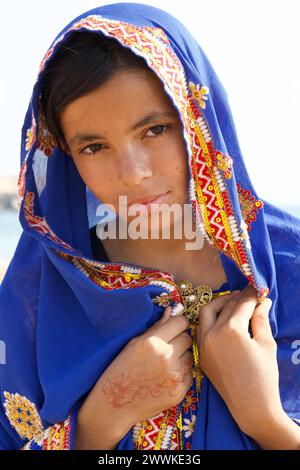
x: 30, y: 134
x: 21, y: 183
x: 112, y: 276
x: 56, y: 437
x: 39, y: 223
x: 224, y: 163
x: 159, y: 432
x: 24, y: 418
x: 212, y: 198
x: 249, y: 205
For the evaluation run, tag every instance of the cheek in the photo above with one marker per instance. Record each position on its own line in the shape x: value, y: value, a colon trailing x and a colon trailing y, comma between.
x: 100, y: 179
x: 172, y: 154
x: 178, y: 171
x: 177, y: 163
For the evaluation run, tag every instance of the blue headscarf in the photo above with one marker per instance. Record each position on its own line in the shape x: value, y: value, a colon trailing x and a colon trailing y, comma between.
x: 64, y: 316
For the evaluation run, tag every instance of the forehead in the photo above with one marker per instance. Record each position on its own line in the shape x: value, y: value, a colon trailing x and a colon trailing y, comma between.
x: 127, y: 94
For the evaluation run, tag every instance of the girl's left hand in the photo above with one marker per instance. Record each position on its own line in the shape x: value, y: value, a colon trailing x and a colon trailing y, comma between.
x: 242, y: 368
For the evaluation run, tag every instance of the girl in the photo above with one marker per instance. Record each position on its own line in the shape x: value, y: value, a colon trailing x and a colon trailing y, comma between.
x: 134, y: 342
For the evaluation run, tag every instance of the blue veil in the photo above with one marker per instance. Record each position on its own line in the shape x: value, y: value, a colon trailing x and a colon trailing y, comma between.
x: 64, y: 316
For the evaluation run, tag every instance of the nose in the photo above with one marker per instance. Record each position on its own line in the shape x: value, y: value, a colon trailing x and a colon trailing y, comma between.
x: 134, y: 167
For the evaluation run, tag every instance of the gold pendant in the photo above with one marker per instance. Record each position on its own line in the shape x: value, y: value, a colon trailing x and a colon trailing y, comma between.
x: 193, y: 299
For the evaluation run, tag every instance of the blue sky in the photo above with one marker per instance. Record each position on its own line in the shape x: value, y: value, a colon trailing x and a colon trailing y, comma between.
x: 253, y: 46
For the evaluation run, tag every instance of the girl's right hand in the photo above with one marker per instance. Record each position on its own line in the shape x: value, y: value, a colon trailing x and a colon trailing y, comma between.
x: 152, y: 373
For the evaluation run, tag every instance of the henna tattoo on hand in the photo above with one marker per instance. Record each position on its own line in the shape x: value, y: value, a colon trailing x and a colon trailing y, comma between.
x: 123, y: 390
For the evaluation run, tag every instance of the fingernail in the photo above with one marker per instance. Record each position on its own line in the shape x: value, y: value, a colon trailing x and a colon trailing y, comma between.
x: 177, y: 309
x: 268, y: 303
x: 165, y: 315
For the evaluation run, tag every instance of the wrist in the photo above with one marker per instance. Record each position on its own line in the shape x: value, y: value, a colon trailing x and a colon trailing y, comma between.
x: 277, y: 432
x: 101, y: 430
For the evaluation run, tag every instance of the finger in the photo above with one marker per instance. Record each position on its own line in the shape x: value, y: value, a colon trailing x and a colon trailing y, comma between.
x: 169, y: 327
x: 239, y: 309
x: 166, y: 315
x: 186, y: 363
x: 188, y: 380
x: 260, y: 324
x: 209, y: 313
x: 181, y: 343
x: 232, y: 298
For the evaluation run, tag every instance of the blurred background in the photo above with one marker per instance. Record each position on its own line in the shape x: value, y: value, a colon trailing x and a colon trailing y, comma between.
x: 253, y: 46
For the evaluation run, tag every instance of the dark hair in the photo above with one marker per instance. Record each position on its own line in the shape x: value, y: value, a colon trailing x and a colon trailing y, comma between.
x: 83, y: 63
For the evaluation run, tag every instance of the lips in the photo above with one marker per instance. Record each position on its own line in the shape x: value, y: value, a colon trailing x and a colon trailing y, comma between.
x: 153, y: 199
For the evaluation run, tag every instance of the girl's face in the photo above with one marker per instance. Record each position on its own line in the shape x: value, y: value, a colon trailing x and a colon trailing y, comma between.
x: 126, y: 140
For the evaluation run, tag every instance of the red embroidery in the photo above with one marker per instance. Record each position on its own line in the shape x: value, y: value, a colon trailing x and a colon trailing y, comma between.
x: 189, y: 402
x: 159, y: 432
x: 21, y: 183
x: 224, y: 163
x: 39, y: 223
x: 116, y: 276
x: 58, y: 436
x: 249, y: 205
x: 222, y: 227
x: 30, y: 134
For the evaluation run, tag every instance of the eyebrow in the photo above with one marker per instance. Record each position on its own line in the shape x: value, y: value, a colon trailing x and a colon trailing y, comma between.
x: 81, y: 137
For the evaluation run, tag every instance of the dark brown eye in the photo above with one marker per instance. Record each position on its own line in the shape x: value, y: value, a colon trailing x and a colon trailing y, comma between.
x: 158, y: 130
x: 94, y: 148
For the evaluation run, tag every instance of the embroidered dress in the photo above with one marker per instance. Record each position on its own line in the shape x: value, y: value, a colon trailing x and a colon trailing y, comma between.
x: 66, y: 313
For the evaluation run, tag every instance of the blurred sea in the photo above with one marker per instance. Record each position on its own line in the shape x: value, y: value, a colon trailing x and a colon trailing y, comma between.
x: 10, y: 231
